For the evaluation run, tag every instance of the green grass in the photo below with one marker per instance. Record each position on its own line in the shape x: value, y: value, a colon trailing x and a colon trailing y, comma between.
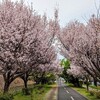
x: 83, y: 92
x: 94, y: 87
x: 38, y: 93
x: 19, y: 96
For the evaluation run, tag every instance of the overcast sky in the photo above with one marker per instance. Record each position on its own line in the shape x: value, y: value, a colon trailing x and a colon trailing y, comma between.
x: 68, y: 9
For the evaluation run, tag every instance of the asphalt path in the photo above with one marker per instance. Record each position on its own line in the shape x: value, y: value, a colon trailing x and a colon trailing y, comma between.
x: 67, y: 93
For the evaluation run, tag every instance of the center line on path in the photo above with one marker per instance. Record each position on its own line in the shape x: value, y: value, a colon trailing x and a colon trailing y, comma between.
x: 65, y: 88
x: 67, y: 91
x: 72, y: 98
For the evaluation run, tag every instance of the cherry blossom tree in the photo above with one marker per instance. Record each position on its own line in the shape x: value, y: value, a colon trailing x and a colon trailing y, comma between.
x: 79, y: 75
x: 25, y: 41
x: 82, y: 45
x: 17, y: 22
x: 42, y: 72
x: 76, y: 71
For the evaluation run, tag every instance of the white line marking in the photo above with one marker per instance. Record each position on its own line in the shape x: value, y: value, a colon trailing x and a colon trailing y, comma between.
x: 72, y: 98
x: 65, y: 88
x: 67, y: 91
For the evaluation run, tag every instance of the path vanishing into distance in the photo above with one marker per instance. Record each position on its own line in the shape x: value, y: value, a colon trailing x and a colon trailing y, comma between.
x: 66, y: 93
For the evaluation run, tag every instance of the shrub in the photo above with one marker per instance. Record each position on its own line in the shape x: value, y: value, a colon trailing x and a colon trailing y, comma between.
x: 41, y: 91
x: 97, y: 94
x: 92, y: 92
x: 6, y: 97
x: 27, y: 91
x: 80, y: 83
x: 39, y: 87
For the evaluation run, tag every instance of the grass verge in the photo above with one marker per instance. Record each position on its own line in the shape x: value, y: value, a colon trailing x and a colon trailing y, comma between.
x: 38, y: 93
x: 83, y: 92
x: 94, y: 87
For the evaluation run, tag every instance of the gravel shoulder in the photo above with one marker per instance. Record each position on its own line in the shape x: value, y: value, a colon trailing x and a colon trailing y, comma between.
x: 52, y: 94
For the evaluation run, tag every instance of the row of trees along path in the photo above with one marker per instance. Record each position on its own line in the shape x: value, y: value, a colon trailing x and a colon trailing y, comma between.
x: 26, y: 40
x: 27, y: 44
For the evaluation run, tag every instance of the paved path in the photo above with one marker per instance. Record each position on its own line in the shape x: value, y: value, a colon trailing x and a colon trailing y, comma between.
x: 66, y: 93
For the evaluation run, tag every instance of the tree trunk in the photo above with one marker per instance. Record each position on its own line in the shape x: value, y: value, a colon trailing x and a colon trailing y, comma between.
x: 87, y: 84
x: 77, y: 82
x: 7, y: 82
x: 95, y: 82
x: 26, y: 90
x: 25, y: 79
x: 6, y: 87
x: 25, y: 83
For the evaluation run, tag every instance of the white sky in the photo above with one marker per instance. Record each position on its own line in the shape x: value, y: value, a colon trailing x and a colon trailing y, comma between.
x: 69, y: 10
